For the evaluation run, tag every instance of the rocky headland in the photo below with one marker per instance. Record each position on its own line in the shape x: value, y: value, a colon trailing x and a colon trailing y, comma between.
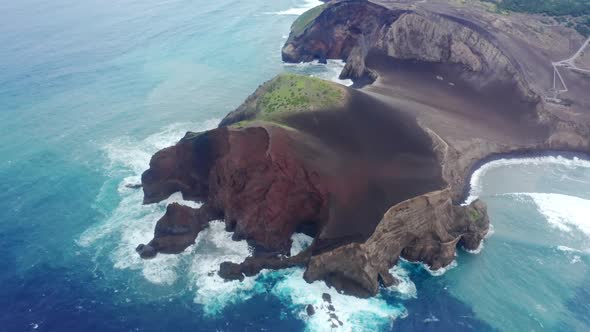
x: 372, y: 174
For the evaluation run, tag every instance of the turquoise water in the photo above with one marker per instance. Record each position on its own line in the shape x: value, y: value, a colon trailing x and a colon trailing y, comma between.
x: 89, y: 90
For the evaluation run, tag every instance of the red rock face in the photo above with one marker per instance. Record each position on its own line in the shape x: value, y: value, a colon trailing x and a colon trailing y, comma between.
x: 183, y: 167
x: 258, y: 185
x: 262, y: 186
x: 338, y: 169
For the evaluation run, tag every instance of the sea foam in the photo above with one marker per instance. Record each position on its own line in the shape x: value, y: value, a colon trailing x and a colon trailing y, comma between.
x: 300, y: 242
x: 131, y: 222
x: 195, y: 270
x: 476, y: 177
x: 563, y: 212
x: 329, y: 71
x: 305, y: 6
x: 356, y: 314
x: 213, y: 247
x: 405, y: 289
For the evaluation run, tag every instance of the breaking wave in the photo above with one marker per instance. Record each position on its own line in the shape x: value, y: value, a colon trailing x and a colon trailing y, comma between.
x: 329, y: 71
x: 307, y: 5
x: 354, y: 313
x: 441, y: 271
x: 195, y: 270
x: 563, y: 212
x: 130, y: 222
x: 476, y: 177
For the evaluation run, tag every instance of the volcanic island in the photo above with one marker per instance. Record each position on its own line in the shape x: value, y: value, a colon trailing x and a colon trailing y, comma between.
x: 378, y: 171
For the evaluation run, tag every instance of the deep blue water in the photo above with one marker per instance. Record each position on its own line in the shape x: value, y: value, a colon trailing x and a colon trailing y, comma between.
x: 89, y: 90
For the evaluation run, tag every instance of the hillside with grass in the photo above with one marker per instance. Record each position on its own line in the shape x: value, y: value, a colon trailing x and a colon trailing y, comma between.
x: 287, y: 94
x: 572, y: 13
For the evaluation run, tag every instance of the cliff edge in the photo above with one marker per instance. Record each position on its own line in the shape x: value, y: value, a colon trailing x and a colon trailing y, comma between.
x: 302, y: 154
x: 376, y: 173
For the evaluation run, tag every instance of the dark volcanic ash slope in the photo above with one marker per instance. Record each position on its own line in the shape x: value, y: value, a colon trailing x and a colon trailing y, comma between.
x: 302, y: 153
x: 466, y: 81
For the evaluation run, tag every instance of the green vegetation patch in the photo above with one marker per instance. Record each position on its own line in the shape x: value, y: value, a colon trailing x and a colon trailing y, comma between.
x: 288, y: 93
x: 572, y: 13
x: 474, y: 215
x: 305, y: 19
x: 549, y: 7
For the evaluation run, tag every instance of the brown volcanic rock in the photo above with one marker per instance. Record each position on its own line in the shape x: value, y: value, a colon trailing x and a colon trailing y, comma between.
x: 339, y: 169
x: 262, y: 186
x: 350, y: 30
x: 177, y: 229
x: 426, y: 228
x: 375, y: 173
x: 474, y: 80
x: 183, y: 167
x: 346, y: 30
x: 258, y: 185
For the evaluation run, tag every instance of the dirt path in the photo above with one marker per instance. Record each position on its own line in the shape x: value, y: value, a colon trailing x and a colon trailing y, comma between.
x: 569, y: 63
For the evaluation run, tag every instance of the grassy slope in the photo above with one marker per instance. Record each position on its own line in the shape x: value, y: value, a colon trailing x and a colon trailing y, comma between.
x: 290, y: 93
x: 303, y: 21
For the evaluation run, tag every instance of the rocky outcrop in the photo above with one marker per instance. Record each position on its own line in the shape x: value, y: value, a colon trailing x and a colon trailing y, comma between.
x: 253, y: 265
x: 177, y: 229
x: 183, y: 167
x: 268, y: 173
x: 349, y: 30
x: 427, y: 228
x: 255, y: 183
x: 345, y: 30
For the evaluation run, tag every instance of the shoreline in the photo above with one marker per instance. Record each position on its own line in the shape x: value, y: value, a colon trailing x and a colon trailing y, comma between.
x: 515, y: 155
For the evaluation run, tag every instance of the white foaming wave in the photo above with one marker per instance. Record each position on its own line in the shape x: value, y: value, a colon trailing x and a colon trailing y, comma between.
x: 131, y: 222
x: 575, y: 255
x: 476, y: 184
x: 300, y: 242
x: 307, y: 5
x: 213, y: 247
x: 441, y: 271
x: 476, y: 250
x: 406, y: 289
x: 329, y: 71
x: 567, y: 249
x: 479, y: 248
x: 356, y: 314
x: 561, y: 211
x: 130, y: 155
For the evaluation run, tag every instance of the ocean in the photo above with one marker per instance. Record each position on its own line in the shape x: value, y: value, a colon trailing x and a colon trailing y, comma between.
x: 89, y: 90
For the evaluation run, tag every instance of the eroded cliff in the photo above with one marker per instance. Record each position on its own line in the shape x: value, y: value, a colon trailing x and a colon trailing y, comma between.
x: 350, y: 30
x: 473, y: 80
x: 302, y: 153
